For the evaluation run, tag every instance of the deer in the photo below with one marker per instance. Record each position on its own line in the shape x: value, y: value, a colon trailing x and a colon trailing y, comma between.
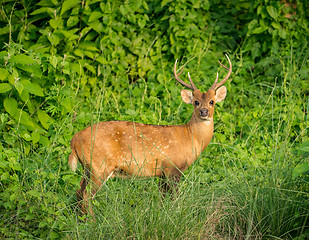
x: 108, y: 149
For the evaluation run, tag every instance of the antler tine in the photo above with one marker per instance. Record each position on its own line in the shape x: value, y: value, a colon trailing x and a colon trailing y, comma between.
x: 213, y: 87
x: 223, y: 65
x: 192, y: 86
x: 227, y: 75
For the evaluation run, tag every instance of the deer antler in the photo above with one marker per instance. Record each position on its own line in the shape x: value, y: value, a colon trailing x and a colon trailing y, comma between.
x: 192, y: 86
x: 215, y: 85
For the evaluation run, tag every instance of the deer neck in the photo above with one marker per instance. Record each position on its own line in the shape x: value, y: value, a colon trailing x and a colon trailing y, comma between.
x: 201, y: 132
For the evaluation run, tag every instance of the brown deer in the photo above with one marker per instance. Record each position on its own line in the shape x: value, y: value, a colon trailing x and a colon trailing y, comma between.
x: 107, y: 149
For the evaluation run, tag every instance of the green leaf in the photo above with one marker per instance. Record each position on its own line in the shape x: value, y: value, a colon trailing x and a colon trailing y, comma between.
x: 3, y: 74
x: 19, y: 87
x: 25, y: 135
x: 90, y: 68
x: 273, y: 12
x: 55, y: 23
x: 123, y: 10
x: 141, y: 23
x: 44, y: 141
x: 25, y: 96
x: 15, y: 74
x: 54, y: 39
x: 53, y: 61
x: 95, y: 15
x: 164, y: 2
x: 304, y: 147
x: 33, y: 69
x: 258, y: 30
x: 42, y: 10
x: 67, y: 5
x: 35, y: 136
x: 33, y: 88
x: 282, y: 33
x: 67, y: 104
x: 34, y: 193
x: 131, y: 112
x: 5, y: 87
x: 25, y: 119
x: 75, y: 67
x: 73, y: 20
x: 276, y: 25
x: 5, y: 176
x: 4, y: 30
x: 300, y: 169
x: 101, y: 59
x: 22, y: 59
x: 47, y: 3
x: 14, y: 164
x: 10, y: 106
x: 89, y: 46
x: 96, y: 25
x: 44, y: 118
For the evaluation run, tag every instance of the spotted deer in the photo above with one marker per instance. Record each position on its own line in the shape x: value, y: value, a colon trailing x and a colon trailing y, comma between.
x: 107, y: 149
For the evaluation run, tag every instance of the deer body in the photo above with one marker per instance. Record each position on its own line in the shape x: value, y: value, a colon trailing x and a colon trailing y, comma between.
x: 134, y: 148
x: 110, y: 148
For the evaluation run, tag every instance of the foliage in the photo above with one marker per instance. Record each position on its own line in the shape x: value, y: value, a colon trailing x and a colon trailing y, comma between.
x: 66, y: 64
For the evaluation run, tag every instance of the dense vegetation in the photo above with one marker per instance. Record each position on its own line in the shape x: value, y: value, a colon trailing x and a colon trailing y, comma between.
x: 67, y: 64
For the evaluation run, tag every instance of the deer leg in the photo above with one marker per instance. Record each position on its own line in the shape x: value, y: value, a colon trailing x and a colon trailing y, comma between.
x: 98, y: 179
x: 173, y: 183
x: 169, y: 184
x: 84, y: 195
x: 163, y: 185
x: 81, y: 193
x: 96, y: 182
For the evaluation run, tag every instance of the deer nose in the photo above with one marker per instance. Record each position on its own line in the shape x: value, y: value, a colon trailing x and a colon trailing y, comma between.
x: 204, y: 112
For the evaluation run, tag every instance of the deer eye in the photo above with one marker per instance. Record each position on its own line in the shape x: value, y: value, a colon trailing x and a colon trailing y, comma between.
x: 211, y: 102
x: 196, y: 103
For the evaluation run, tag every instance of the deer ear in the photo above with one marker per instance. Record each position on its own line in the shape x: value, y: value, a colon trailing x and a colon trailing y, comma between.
x: 187, y: 96
x: 220, y: 94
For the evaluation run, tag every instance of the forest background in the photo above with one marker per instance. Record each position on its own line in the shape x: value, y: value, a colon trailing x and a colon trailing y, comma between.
x: 67, y: 64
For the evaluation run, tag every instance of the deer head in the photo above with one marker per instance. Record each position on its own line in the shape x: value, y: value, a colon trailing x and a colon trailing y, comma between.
x: 204, y: 102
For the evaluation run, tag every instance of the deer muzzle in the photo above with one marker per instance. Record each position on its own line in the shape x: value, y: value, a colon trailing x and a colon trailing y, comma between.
x: 204, y: 112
